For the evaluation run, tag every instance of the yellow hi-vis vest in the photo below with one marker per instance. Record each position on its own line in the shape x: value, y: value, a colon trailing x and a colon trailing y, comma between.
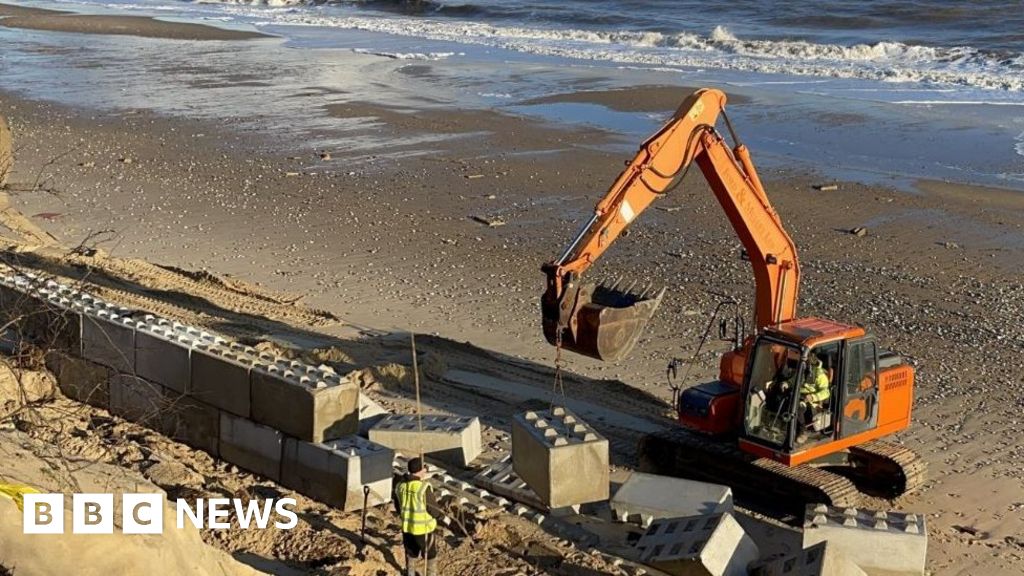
x: 412, y: 501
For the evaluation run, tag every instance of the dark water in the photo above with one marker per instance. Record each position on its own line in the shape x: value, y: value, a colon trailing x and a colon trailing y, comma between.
x: 877, y: 89
x: 994, y: 26
x: 977, y: 45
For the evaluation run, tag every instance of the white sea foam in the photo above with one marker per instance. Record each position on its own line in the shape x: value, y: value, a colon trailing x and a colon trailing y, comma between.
x: 407, y: 55
x: 720, y: 49
x: 272, y: 3
x: 1020, y: 144
x: 957, y: 103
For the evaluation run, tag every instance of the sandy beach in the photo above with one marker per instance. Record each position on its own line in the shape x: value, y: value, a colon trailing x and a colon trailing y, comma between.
x: 143, y: 26
x: 396, y: 238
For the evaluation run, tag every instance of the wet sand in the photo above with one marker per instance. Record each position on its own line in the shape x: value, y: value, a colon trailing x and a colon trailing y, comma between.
x: 55, y: 21
x: 632, y: 99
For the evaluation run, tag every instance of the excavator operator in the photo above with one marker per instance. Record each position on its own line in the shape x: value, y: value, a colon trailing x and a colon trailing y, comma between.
x: 814, y: 392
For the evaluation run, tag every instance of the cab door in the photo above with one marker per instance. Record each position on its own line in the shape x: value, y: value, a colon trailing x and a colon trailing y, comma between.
x: 859, y: 387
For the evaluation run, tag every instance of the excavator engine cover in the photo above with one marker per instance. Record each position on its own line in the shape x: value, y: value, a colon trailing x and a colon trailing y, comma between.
x: 602, y: 323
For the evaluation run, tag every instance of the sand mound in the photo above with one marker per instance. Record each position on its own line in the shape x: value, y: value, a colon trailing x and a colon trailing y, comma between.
x: 173, y: 552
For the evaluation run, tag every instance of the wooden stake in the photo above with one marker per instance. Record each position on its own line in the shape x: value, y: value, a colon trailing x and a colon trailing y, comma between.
x: 416, y: 382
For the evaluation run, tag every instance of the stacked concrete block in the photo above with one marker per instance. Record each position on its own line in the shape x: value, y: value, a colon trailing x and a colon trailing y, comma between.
x: 453, y: 439
x: 80, y: 379
x: 199, y: 388
x: 560, y: 457
x: 137, y: 400
x: 882, y: 543
x: 162, y: 355
x: 252, y: 446
x: 40, y: 315
x: 309, y: 403
x: 53, y: 323
x: 109, y: 339
x: 644, y: 498
x: 818, y: 560
x: 189, y: 421
x: 220, y: 378
x: 713, y: 545
x: 337, y: 471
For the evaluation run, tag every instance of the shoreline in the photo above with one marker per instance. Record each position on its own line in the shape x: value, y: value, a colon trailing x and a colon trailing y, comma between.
x: 30, y: 18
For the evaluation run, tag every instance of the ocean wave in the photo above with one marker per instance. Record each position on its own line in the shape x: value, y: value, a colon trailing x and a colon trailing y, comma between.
x: 407, y: 55
x: 719, y: 49
x: 271, y: 3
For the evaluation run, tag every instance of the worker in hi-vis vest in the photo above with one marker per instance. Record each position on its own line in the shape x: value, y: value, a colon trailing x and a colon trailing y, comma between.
x: 412, y: 498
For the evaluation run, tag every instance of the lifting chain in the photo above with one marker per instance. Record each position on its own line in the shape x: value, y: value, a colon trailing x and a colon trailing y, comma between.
x: 558, y: 387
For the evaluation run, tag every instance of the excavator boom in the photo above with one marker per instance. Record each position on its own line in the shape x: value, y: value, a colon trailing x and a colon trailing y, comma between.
x: 605, y: 322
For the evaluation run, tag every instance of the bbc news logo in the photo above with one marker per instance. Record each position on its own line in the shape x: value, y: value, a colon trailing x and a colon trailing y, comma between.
x: 144, y: 513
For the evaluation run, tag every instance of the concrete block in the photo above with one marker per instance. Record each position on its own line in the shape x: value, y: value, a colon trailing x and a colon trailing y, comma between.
x: 881, y: 543
x: 40, y: 316
x: 560, y: 457
x: 136, y: 400
x: 52, y: 324
x: 160, y: 357
x: 369, y: 413
x: 713, y: 545
x: 109, y: 339
x: 191, y: 422
x: 646, y: 497
x: 304, y: 401
x: 251, y: 446
x: 335, y: 472
x: 818, y: 560
x: 220, y: 379
x: 81, y: 379
x: 501, y: 478
x: 453, y: 439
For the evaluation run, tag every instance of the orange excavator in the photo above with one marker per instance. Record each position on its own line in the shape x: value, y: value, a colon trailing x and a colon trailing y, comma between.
x: 801, y: 403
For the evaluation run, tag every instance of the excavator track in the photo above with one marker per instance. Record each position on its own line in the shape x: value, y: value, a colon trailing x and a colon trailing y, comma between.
x: 888, y: 469
x: 678, y: 452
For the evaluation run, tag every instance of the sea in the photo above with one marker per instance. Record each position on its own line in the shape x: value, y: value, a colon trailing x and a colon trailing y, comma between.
x: 876, y: 90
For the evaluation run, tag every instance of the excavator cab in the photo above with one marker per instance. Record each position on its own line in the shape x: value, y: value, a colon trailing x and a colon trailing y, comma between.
x: 772, y: 410
x: 599, y: 321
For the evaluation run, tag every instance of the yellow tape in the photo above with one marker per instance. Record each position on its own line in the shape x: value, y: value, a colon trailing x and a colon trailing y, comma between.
x: 17, y: 493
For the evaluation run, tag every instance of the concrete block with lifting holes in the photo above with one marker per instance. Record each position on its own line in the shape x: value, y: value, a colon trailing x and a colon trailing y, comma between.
x: 109, y: 339
x: 644, y: 498
x: 560, y: 457
x: 310, y: 403
x: 881, y: 543
x: 191, y: 422
x: 452, y: 439
x: 161, y: 355
x: 369, y: 413
x: 336, y: 471
x: 81, y: 379
x: 501, y: 478
x: 136, y: 400
x: 712, y: 545
x: 220, y: 378
x: 249, y: 445
x: 42, y: 316
x: 818, y: 560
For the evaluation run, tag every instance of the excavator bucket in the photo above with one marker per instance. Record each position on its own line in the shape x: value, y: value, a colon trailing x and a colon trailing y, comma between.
x: 605, y: 322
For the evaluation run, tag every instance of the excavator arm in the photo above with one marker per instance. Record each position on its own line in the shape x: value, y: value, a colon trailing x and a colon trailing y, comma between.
x: 605, y: 322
